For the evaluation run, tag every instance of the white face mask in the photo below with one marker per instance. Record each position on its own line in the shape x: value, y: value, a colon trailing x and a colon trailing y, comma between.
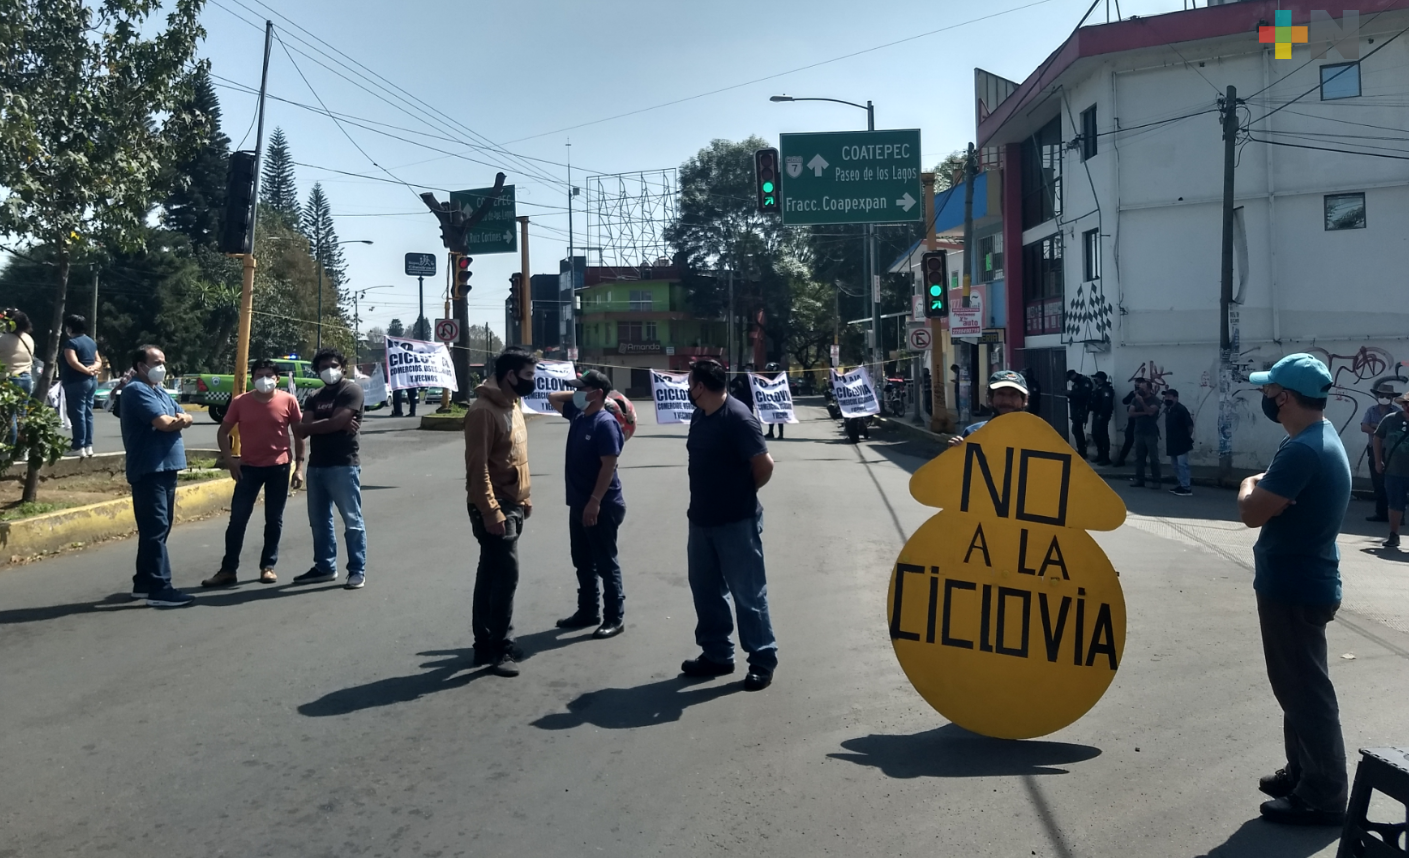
x: 156, y: 374
x: 265, y: 384
x: 331, y: 375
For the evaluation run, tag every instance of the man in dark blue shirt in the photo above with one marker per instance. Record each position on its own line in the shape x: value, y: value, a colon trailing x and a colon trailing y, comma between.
x: 595, y: 504
x: 729, y: 463
x: 1300, y: 503
x: 151, y: 435
x: 78, y: 372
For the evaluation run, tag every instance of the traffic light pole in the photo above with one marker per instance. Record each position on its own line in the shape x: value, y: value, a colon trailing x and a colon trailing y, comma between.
x: 939, y: 408
x: 877, y: 346
x: 525, y: 293
x: 970, y: 256
x: 1225, y: 294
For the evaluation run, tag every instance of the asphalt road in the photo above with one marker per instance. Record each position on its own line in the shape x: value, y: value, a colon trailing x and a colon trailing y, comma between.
x: 281, y: 721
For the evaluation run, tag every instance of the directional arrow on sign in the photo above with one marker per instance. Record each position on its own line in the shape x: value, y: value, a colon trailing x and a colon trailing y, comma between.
x: 817, y: 165
x: 508, y: 236
x: 905, y: 202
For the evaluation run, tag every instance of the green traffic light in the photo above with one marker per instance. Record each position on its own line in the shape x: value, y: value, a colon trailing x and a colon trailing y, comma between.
x: 936, y: 290
x: 768, y: 187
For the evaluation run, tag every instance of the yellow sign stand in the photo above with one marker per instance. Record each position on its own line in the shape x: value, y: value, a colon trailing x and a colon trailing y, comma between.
x: 1004, y: 613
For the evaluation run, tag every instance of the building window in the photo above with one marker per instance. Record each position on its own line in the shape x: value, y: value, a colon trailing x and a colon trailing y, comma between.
x: 1091, y: 254
x: 1042, y: 286
x: 636, y: 332
x: 641, y: 300
x: 1341, y: 80
x: 1345, y: 211
x: 990, y: 249
x: 1088, y: 133
x: 1042, y: 175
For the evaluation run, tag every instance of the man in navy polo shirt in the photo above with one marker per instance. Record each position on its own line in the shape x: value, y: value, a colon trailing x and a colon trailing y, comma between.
x: 595, y: 504
x: 1300, y: 502
x: 151, y: 435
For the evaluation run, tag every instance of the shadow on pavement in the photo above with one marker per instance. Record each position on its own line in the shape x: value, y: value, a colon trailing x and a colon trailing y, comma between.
x: 660, y: 702
x: 441, y: 676
x: 1258, y: 839
x: 953, y: 752
x: 248, y: 591
x: 1392, y: 554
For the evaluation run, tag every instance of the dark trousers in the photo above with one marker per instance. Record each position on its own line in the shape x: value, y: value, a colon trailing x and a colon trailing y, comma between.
x: 1147, y: 447
x: 1127, y: 444
x: 154, y: 507
x: 1294, y: 644
x: 780, y: 429
x: 496, y: 581
x: 408, y: 396
x: 1078, y: 433
x: 1101, y: 435
x: 1377, y: 480
x: 594, y: 557
x: 274, y: 479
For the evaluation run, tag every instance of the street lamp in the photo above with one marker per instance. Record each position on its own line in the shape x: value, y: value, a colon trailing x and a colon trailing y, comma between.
x: 877, y: 350
x: 318, y: 258
x: 357, y: 296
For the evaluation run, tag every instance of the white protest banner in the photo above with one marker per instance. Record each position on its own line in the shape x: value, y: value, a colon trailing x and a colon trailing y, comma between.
x: 417, y: 363
x: 671, y: 392
x: 856, y: 397
x: 772, y: 398
x: 374, y: 389
x: 551, y: 376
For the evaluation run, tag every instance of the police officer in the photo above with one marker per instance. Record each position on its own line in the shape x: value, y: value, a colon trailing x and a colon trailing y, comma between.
x: 1078, y: 408
x: 1102, y: 408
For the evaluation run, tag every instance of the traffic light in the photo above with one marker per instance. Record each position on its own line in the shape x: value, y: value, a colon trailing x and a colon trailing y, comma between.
x: 452, y: 223
x: 461, y: 266
x: 934, y: 271
x: 235, y: 232
x: 765, y: 165
x: 515, y: 283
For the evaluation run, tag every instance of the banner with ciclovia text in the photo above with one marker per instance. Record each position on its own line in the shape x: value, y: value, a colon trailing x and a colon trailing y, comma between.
x: 415, y: 363
x: 551, y: 376
x: 671, y: 393
x: 772, y: 398
x: 856, y: 395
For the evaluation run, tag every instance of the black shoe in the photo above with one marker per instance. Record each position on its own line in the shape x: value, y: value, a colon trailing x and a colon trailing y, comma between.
x: 758, y: 679
x: 609, y: 629
x: 706, y: 667
x: 1380, y: 518
x: 505, y: 666
x: 579, y: 620
x: 1182, y: 492
x: 1393, y: 541
x: 315, y: 576
x: 1290, y: 810
x: 1279, y: 784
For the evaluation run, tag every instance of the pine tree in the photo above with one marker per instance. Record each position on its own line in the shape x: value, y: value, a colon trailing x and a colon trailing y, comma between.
x: 277, y: 191
x: 194, y: 205
x: 317, y: 224
x: 396, y: 329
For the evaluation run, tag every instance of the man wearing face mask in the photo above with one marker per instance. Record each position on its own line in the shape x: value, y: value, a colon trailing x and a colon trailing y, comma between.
x: 729, y: 463
x: 264, y: 417
x: 1300, y: 502
x: 596, y: 507
x: 497, y: 485
x: 1007, y: 393
x: 151, y: 435
x: 1383, y: 407
x: 332, y: 419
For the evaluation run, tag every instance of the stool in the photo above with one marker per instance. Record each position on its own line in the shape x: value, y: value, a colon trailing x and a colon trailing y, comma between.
x: 1386, y: 770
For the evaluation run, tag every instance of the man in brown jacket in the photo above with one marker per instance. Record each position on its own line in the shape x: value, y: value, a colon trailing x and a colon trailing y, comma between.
x: 496, y: 482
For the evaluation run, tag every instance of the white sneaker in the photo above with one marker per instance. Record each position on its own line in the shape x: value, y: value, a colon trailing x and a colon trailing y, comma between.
x: 88, y: 452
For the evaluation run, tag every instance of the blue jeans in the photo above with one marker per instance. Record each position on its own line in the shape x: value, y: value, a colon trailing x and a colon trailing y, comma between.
x: 728, y: 560
x: 26, y: 383
x: 594, y: 556
x: 339, y: 486
x: 154, y: 507
x: 78, y: 399
x: 274, y: 479
x: 1180, y: 464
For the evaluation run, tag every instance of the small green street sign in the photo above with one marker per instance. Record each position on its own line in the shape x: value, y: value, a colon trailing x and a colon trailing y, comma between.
x: 498, y: 232
x: 851, y: 177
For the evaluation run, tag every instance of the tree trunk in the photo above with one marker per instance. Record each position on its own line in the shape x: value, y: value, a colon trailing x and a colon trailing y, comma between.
x: 51, y: 369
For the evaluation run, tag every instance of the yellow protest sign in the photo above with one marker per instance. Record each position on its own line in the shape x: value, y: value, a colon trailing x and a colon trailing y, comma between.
x: 1004, y: 613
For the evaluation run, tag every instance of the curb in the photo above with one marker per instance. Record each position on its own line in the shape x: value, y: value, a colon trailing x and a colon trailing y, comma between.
x: 443, y: 424
x: 45, y: 534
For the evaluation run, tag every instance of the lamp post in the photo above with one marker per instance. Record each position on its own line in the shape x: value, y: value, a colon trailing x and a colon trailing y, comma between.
x: 318, y: 258
x: 357, y: 296
x: 877, y: 349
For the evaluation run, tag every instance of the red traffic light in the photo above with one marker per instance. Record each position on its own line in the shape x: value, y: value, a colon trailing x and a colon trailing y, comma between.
x: 462, y: 263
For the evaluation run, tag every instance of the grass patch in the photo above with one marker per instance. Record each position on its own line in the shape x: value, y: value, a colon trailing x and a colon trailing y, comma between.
x: 456, y: 410
x: 14, y: 512
x: 200, y: 476
x: 200, y: 463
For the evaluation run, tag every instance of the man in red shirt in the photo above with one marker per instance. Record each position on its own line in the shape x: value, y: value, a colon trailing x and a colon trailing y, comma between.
x: 264, y: 416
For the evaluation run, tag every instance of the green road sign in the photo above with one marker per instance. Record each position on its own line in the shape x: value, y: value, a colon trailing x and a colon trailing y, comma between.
x: 852, y: 177
x: 498, y: 232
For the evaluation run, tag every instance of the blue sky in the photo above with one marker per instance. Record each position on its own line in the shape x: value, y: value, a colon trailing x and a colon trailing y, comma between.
x: 521, y: 74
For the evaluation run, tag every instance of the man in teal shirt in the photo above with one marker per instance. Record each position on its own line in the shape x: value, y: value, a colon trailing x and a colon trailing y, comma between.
x: 1300, y: 503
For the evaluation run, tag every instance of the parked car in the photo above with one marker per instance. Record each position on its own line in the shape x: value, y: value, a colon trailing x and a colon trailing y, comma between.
x: 103, y: 394
x: 215, y: 391
x: 434, y: 394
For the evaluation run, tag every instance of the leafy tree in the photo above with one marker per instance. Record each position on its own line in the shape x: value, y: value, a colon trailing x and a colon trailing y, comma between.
x: 376, y: 336
x: 95, y: 105
x: 484, y: 344
x: 396, y: 329
x: 277, y: 191
x: 944, y: 171
x: 196, y: 201
x: 813, y: 317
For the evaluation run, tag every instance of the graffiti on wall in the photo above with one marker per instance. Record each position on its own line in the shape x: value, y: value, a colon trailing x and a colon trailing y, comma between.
x: 1156, y: 375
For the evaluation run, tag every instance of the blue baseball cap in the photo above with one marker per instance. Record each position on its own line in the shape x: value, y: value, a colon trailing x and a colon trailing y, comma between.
x: 1300, y: 372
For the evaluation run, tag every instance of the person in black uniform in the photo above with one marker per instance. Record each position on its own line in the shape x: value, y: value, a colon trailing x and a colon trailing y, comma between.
x: 1078, y: 408
x: 1102, y: 407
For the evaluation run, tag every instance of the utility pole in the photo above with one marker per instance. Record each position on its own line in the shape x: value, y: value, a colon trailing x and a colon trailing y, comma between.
x: 242, y: 339
x: 93, y: 316
x: 729, y: 330
x: 525, y: 293
x: 970, y: 255
x: 939, y: 418
x: 872, y: 279
x: 1227, y: 342
x: 571, y: 306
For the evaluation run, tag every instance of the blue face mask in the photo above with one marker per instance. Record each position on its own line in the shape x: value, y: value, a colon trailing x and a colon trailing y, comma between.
x: 579, y: 400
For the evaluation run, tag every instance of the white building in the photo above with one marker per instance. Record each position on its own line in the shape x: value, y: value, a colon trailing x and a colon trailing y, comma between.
x: 1112, y: 163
